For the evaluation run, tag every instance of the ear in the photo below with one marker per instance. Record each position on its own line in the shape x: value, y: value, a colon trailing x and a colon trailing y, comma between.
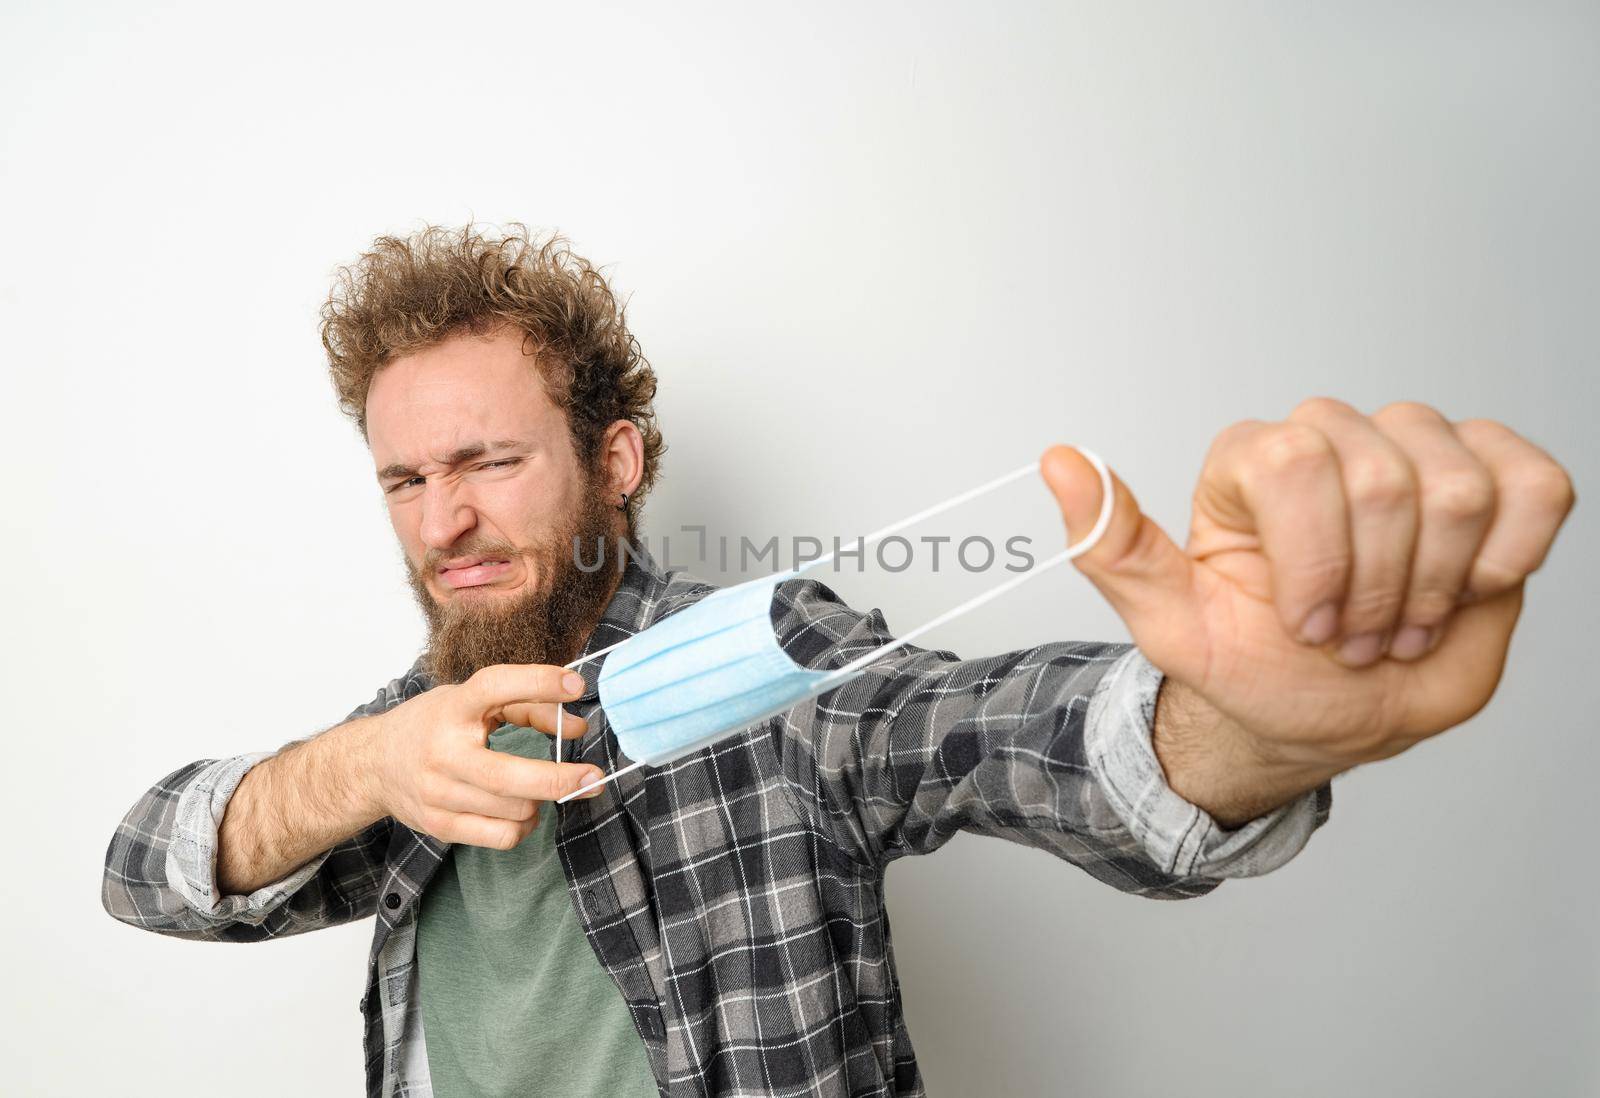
x: 622, y: 455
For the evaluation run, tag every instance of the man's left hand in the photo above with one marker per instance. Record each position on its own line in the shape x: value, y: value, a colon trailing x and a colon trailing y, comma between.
x: 1349, y: 588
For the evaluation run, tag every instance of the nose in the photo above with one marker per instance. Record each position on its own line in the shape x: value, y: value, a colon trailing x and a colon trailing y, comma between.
x: 446, y: 514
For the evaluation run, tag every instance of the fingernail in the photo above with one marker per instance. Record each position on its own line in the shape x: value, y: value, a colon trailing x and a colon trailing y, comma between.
x: 1411, y: 642
x: 594, y: 776
x: 1320, y: 624
x: 1362, y: 649
x: 573, y: 682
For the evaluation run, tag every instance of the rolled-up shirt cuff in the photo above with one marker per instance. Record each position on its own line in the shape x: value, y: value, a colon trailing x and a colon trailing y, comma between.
x: 1179, y: 837
x: 192, y: 851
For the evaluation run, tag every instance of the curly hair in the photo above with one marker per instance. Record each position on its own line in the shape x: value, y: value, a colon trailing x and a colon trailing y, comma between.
x: 407, y: 294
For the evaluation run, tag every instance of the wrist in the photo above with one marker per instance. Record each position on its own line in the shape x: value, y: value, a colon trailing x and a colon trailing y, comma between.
x: 359, y: 750
x: 1215, y: 763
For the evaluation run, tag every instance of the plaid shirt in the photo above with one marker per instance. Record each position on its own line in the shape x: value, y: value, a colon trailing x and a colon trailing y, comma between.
x: 736, y: 896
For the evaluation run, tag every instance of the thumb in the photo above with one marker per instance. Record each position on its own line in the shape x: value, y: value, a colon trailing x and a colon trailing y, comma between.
x: 1139, y: 570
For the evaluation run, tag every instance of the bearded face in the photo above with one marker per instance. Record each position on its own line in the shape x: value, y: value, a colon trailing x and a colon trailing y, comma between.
x: 493, y: 505
x: 545, y: 621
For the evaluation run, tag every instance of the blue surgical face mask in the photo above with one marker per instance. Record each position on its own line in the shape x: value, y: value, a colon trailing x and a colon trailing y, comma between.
x: 716, y: 668
x: 686, y: 681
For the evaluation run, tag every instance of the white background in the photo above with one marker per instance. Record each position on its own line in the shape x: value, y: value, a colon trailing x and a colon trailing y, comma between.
x: 876, y: 253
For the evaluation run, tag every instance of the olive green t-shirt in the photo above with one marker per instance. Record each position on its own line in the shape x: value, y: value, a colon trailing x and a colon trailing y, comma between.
x: 514, y: 1001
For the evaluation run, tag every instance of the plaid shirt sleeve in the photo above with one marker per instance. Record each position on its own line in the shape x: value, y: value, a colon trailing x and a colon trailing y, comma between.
x: 1048, y: 746
x: 160, y: 872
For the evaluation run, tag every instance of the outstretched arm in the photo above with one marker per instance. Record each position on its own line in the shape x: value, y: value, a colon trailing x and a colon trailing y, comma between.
x: 1048, y: 746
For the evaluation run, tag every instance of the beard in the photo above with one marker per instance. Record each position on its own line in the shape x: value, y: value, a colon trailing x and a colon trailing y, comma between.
x: 547, y: 624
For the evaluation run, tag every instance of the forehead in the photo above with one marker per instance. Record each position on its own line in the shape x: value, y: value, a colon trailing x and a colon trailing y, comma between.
x: 465, y: 389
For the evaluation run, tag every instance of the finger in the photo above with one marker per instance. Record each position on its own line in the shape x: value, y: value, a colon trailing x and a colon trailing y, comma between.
x: 494, y: 687
x: 1380, y: 489
x: 1474, y: 646
x: 1140, y: 571
x: 1280, y: 484
x: 1534, y: 495
x: 459, y: 796
x: 474, y: 830
x: 507, y: 775
x: 1455, y: 502
x: 541, y: 716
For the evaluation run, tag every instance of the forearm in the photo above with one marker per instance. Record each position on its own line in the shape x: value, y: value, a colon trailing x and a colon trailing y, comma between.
x: 1214, y: 764
x: 309, y: 797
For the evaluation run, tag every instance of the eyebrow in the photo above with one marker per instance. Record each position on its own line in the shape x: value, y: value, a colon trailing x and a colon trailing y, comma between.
x: 465, y: 453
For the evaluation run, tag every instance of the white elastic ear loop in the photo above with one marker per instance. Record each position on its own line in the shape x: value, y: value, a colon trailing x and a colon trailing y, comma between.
x: 1107, y: 506
x: 927, y: 513
x: 577, y: 663
x: 615, y: 773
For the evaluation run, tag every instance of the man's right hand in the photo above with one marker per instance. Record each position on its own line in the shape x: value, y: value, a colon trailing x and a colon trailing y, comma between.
x: 426, y: 762
x: 430, y: 767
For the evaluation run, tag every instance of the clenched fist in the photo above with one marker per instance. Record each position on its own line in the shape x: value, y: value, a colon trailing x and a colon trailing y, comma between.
x: 1349, y: 586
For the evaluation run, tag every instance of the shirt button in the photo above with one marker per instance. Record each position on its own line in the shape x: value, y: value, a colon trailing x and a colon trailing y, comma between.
x: 392, y: 900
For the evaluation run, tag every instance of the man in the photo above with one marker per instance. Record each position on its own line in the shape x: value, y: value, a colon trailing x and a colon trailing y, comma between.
x: 716, y: 926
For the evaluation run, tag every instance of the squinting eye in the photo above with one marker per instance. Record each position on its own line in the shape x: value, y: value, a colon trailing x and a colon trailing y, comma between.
x: 417, y: 480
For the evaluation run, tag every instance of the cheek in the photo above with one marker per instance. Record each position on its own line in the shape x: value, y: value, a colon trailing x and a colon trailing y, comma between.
x: 521, y: 513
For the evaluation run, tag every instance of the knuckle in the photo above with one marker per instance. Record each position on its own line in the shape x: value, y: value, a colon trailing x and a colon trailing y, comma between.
x: 543, y: 785
x: 1410, y: 412
x: 1292, y: 447
x: 1492, y: 577
x: 1372, y: 607
x: 1482, y: 429
x: 1429, y: 606
x: 1321, y: 408
x: 1379, y: 481
x: 1236, y: 433
x: 1458, y: 496
x: 1546, y: 485
x: 430, y: 787
x: 444, y: 698
x: 1147, y: 547
x: 491, y: 677
x: 492, y: 780
x: 1323, y: 573
x: 431, y: 754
